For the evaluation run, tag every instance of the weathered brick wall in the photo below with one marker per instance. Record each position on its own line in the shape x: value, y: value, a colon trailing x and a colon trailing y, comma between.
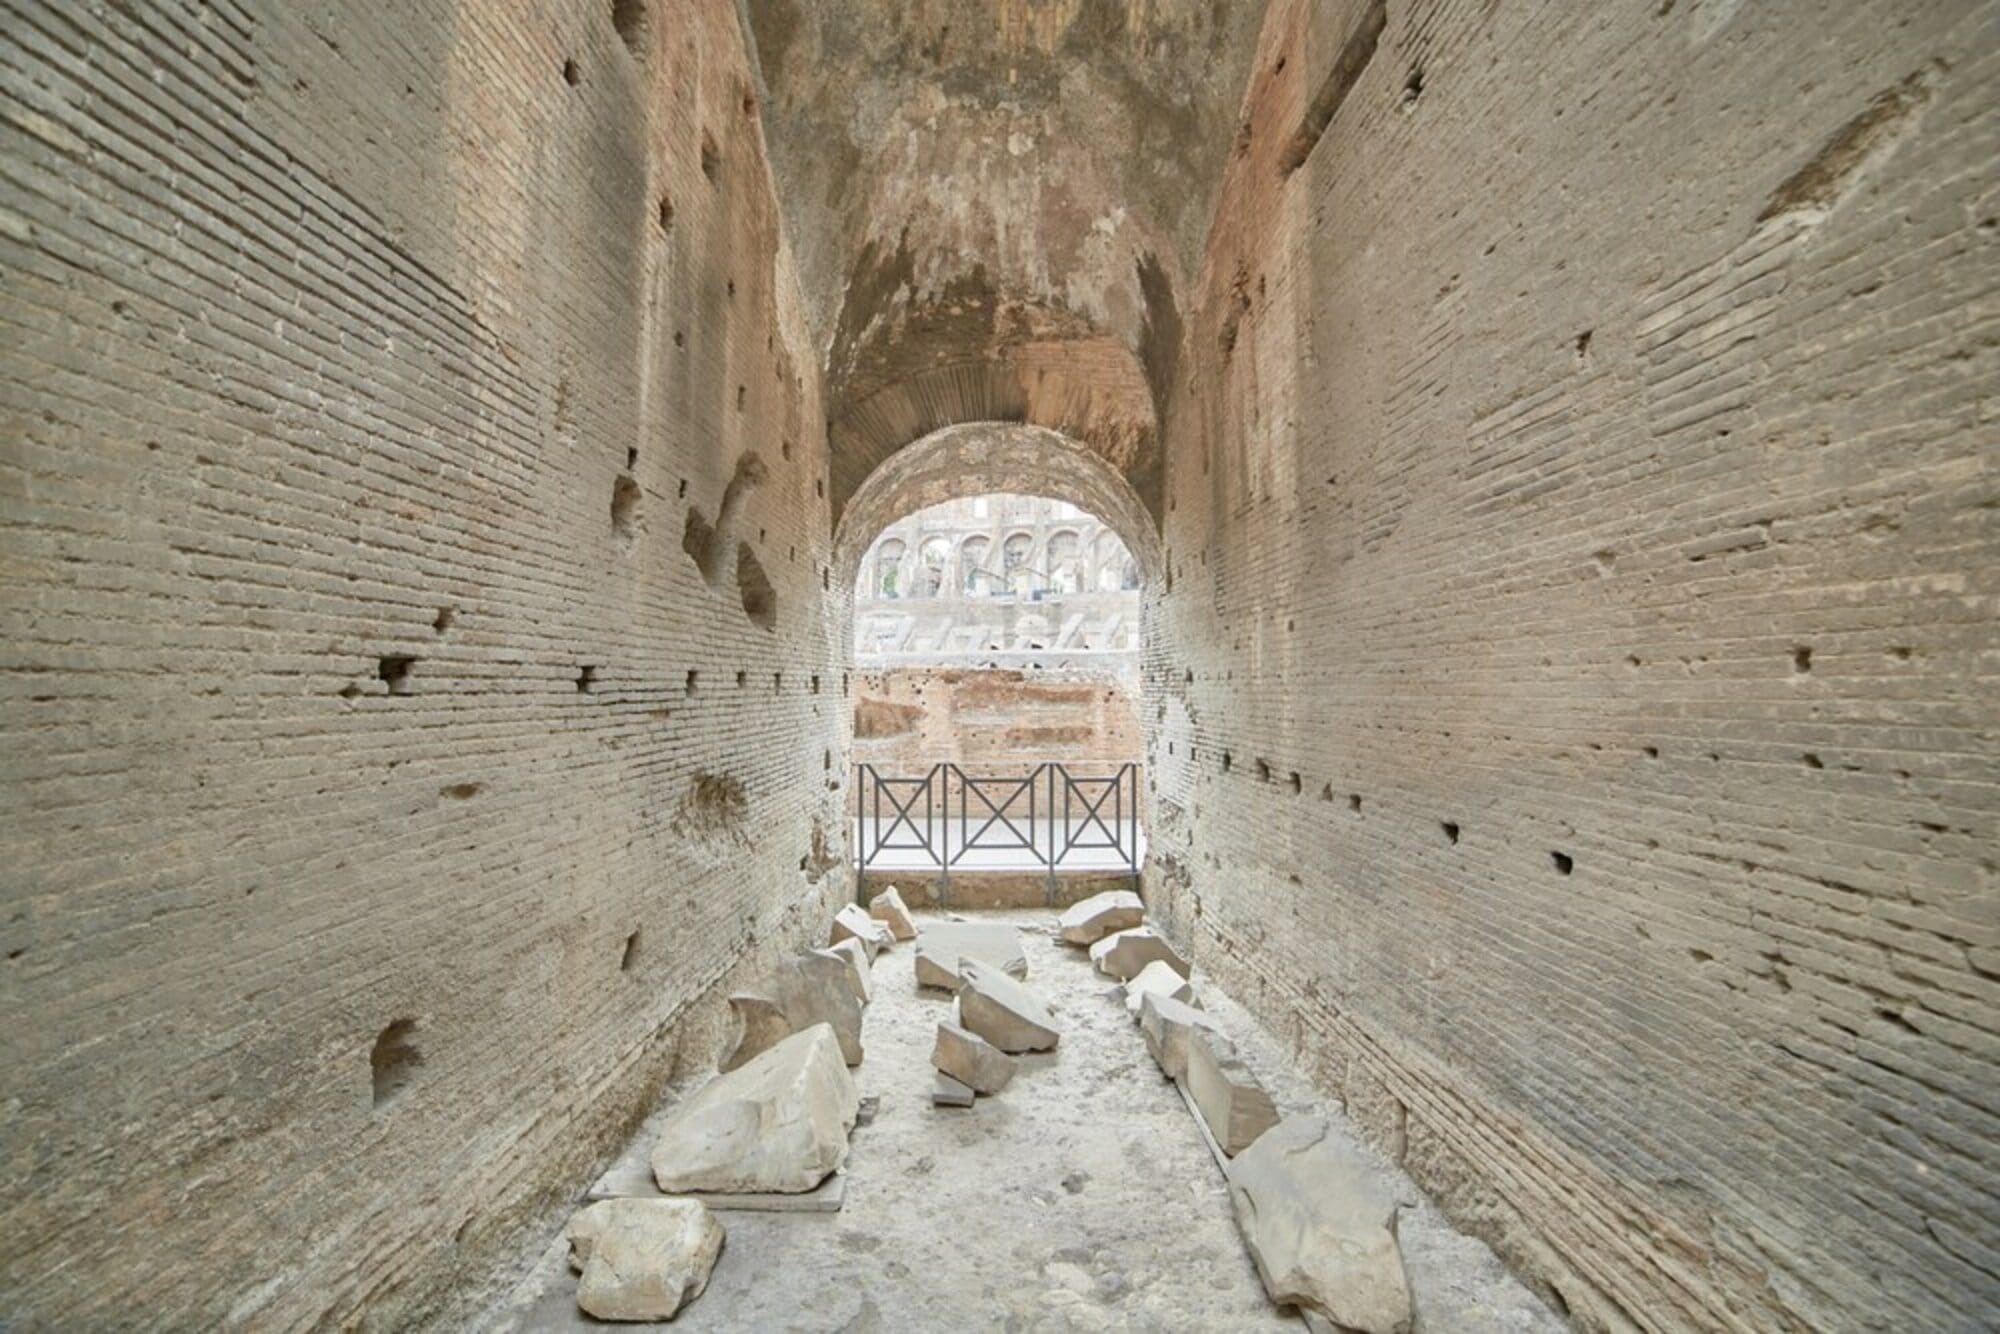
x: 1576, y: 692
x: 364, y: 365
x: 995, y: 723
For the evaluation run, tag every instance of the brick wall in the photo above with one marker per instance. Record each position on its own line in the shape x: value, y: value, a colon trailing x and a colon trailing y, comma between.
x: 1575, y: 689
x: 389, y: 787
x: 995, y: 723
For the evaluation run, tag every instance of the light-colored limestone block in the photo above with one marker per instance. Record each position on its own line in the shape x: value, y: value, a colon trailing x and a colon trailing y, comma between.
x: 1003, y: 1011
x: 971, y: 1059
x: 815, y: 988
x: 853, y: 921
x: 1321, y: 1227
x: 1167, y: 1024
x: 942, y: 947
x: 1228, y: 1096
x: 1157, y: 978
x: 889, y: 909
x: 642, y: 1259
x: 855, y: 955
x: 1123, y: 954
x: 1090, y: 920
x: 778, y: 1123
x: 948, y: 1092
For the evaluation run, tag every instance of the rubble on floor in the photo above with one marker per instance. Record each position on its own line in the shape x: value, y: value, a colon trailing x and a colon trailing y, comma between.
x: 642, y: 1259
x: 1123, y: 954
x: 778, y: 1123
x: 1003, y: 1011
x: 853, y: 922
x: 889, y: 909
x: 815, y: 988
x: 1088, y: 921
x: 943, y: 947
x: 1157, y: 978
x: 1228, y: 1096
x: 971, y: 1060
x: 948, y: 1092
x: 1167, y: 1024
x: 1321, y: 1227
x: 855, y: 955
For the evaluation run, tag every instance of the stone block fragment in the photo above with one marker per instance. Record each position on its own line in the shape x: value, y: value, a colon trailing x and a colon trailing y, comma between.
x: 778, y: 1123
x: 853, y: 922
x: 855, y: 955
x: 889, y: 909
x: 971, y: 1059
x: 943, y: 946
x: 1004, y: 1012
x: 1090, y: 920
x: 642, y: 1259
x: 1157, y: 978
x: 1168, y: 1024
x: 1228, y: 1096
x: 1321, y: 1226
x: 1122, y: 955
x: 948, y: 1092
x: 816, y: 988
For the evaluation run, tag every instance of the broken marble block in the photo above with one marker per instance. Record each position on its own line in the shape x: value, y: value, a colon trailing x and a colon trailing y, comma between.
x: 642, y: 1259
x: 942, y: 947
x: 1321, y: 1226
x: 778, y: 1123
x: 855, y: 955
x: 1090, y: 920
x: 853, y: 922
x: 1228, y: 1096
x: 971, y: 1059
x: 948, y: 1092
x: 1168, y: 1024
x: 889, y: 909
x: 1157, y: 978
x: 1002, y: 1011
x: 1122, y: 955
x: 816, y: 988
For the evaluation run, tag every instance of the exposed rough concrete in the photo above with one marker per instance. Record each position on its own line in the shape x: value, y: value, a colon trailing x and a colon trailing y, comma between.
x: 1095, y: 1201
x: 1575, y: 698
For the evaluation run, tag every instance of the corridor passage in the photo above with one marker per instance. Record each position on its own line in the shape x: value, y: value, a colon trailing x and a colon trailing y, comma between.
x: 1080, y: 1197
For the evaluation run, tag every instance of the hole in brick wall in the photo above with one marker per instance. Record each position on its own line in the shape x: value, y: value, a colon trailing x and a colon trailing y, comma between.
x: 1354, y: 802
x: 1700, y: 956
x: 1888, y: 1016
x: 680, y: 338
x: 1563, y: 862
x: 442, y: 622
x: 1632, y: 660
x: 819, y: 487
x: 1263, y: 772
x: 1227, y: 761
x: 1812, y: 761
x: 397, y: 672
x: 394, y: 1061
x: 625, y: 507
x: 1413, y: 87
x: 1450, y: 831
x: 1902, y: 652
x: 462, y: 791
x: 742, y: 679
x: 631, y: 457
x: 572, y: 75
x: 1298, y: 785
x: 711, y: 163
x: 666, y: 214
x: 760, y: 600
x: 729, y: 289
x: 1802, y: 660
x: 630, y: 954
x: 777, y: 682
x: 628, y: 17
x: 742, y: 396
x: 1583, y: 344
x: 826, y: 760
x: 693, y: 682
x: 825, y: 580
x: 1652, y: 752
x: 785, y: 450
x: 815, y: 683
x: 586, y: 679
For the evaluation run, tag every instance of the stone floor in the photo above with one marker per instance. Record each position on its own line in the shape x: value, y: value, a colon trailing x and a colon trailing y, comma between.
x: 1080, y: 1198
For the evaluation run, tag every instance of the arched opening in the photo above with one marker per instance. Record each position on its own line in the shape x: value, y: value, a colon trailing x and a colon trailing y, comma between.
x: 998, y: 674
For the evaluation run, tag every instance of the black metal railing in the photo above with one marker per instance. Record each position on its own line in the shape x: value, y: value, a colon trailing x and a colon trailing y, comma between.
x: 1048, y: 819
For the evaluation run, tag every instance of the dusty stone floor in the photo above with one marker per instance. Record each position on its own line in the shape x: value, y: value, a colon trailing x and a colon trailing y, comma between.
x: 1080, y: 1198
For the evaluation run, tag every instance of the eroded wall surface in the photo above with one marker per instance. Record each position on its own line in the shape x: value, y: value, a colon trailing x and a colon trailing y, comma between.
x: 417, y: 693
x: 995, y: 723
x: 1575, y: 689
